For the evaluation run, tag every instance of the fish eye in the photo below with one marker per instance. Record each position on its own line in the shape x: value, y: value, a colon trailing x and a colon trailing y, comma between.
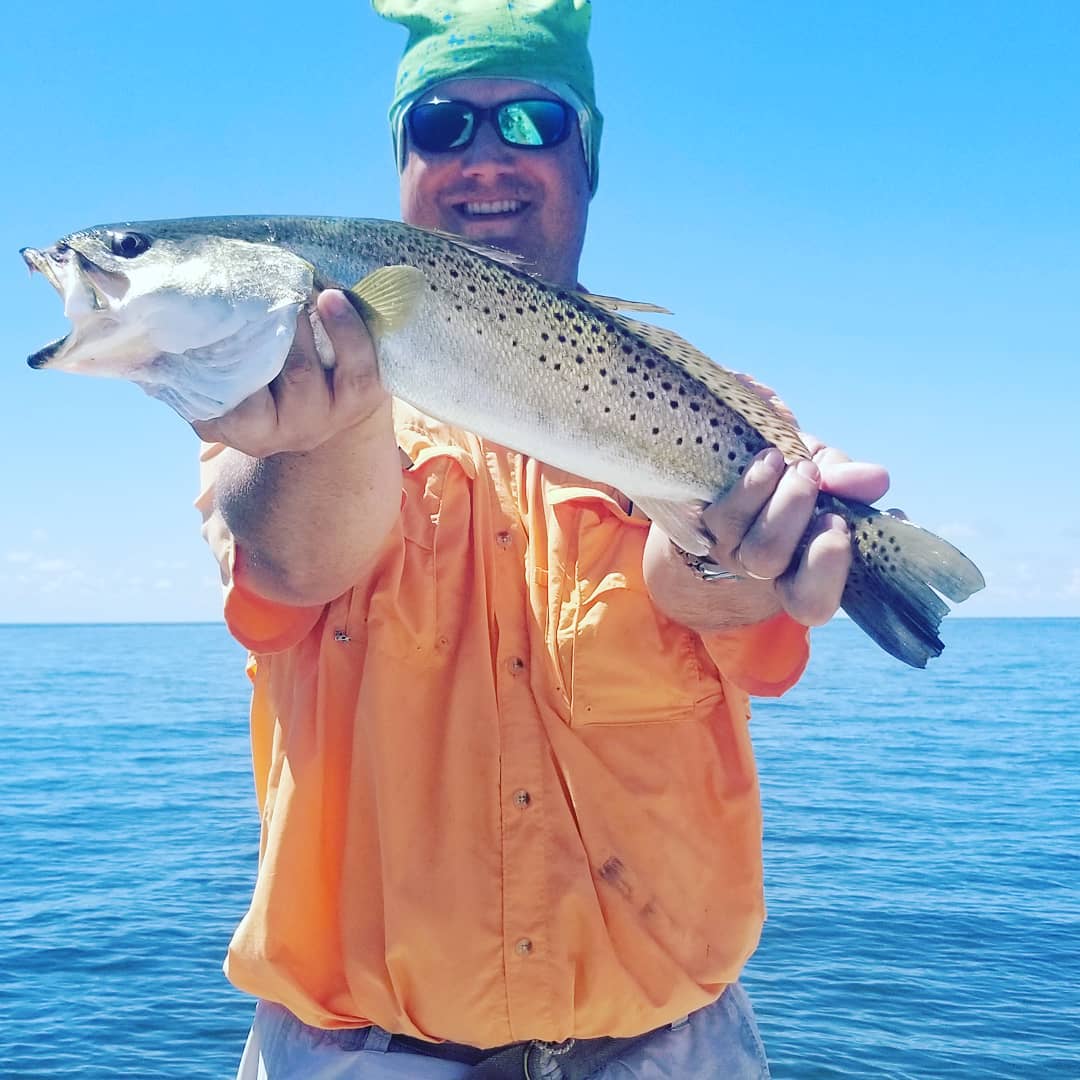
x: 128, y: 244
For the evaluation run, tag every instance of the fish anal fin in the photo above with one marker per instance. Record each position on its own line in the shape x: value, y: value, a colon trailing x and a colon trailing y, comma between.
x: 679, y: 521
x: 387, y: 297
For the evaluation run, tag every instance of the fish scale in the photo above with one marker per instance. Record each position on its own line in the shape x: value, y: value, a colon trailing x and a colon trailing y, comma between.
x: 467, y: 335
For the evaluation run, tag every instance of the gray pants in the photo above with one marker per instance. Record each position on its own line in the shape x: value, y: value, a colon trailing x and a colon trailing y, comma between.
x: 719, y: 1042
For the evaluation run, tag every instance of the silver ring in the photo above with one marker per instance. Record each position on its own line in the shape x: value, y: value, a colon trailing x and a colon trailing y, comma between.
x: 737, y: 556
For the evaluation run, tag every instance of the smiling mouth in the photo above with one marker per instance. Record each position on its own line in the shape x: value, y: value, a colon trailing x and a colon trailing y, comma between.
x: 489, y: 209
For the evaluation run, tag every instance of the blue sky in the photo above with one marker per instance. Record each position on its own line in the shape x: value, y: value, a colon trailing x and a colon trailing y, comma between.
x: 875, y: 208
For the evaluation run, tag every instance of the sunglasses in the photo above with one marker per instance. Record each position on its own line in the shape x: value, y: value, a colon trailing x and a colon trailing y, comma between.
x: 533, y: 123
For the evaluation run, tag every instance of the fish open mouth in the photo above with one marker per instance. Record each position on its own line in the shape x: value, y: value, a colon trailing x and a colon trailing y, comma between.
x: 87, y: 291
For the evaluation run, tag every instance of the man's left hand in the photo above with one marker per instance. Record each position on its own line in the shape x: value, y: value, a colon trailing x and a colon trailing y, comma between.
x: 765, y: 529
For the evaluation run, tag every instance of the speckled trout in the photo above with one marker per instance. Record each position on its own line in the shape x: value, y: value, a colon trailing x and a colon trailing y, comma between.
x: 201, y: 313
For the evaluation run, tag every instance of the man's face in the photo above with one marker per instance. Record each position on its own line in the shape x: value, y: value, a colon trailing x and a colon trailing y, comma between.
x: 547, y: 187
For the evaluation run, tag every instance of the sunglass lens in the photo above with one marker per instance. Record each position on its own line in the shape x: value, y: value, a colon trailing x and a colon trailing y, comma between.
x: 440, y: 125
x: 534, y: 123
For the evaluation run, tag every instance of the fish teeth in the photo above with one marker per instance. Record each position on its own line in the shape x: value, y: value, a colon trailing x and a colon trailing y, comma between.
x: 503, y: 206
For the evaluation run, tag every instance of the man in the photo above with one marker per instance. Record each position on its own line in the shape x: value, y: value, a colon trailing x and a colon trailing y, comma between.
x: 510, y: 817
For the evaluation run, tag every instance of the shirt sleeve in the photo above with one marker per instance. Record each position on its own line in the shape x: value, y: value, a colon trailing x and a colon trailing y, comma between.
x: 260, y: 625
x: 765, y: 659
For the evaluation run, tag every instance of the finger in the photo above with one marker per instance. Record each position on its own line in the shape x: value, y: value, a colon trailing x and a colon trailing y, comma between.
x: 729, y: 518
x: 854, y: 479
x: 822, y: 453
x: 355, y: 376
x: 770, y: 544
x: 811, y: 590
x: 302, y: 364
x: 812, y: 443
x: 842, y: 476
x: 243, y: 427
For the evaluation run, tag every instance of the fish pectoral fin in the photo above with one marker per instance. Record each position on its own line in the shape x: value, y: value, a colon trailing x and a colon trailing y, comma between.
x: 387, y: 297
x: 679, y: 521
x: 614, y: 303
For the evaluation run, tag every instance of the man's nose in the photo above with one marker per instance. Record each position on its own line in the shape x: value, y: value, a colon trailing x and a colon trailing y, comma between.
x: 487, y: 154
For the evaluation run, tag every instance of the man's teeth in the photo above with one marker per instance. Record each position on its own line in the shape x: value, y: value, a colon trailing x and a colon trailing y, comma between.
x: 504, y: 206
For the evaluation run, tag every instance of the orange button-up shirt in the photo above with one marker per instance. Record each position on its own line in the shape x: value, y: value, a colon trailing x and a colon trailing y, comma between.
x: 502, y: 796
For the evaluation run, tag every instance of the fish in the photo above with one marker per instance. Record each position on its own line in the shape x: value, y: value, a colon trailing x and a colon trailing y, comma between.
x: 201, y: 312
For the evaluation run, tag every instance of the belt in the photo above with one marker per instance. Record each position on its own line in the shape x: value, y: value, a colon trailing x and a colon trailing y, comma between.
x: 577, y: 1058
x: 448, y: 1051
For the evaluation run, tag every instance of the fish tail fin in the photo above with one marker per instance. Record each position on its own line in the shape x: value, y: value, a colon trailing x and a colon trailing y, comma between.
x: 896, y: 568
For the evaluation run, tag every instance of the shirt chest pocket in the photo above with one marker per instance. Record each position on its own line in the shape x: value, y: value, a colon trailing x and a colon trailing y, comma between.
x: 621, y: 660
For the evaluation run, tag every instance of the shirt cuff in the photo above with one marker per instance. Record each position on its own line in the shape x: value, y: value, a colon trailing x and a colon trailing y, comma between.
x: 261, y: 625
x: 766, y: 658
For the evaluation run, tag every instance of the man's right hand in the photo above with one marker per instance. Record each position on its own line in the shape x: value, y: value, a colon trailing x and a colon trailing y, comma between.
x: 311, y: 483
x: 307, y: 403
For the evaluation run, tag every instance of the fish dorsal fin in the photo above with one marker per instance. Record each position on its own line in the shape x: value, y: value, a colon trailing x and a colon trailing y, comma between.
x: 387, y: 297
x: 722, y: 384
x: 613, y: 304
x: 500, y: 255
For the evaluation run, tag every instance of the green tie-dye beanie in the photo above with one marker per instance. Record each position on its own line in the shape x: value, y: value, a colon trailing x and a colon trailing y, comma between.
x: 541, y: 41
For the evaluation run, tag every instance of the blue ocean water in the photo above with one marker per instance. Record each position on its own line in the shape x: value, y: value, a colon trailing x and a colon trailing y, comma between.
x: 922, y: 855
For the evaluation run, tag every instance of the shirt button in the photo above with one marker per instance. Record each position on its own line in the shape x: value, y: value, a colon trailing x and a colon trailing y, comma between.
x: 523, y: 947
x: 522, y: 798
x: 516, y: 665
x: 503, y: 537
